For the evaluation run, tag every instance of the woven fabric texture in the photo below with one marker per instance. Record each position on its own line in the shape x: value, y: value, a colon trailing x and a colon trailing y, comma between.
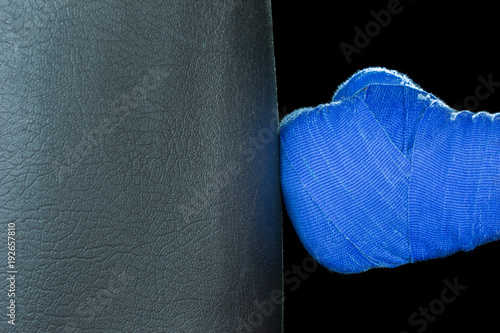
x: 387, y: 174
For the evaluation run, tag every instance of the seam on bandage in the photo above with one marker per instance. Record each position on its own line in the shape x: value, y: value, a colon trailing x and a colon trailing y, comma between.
x: 350, y: 104
x: 372, y: 260
x: 353, y: 125
x: 331, y: 223
x: 371, y: 152
x: 481, y: 170
x: 383, y: 129
x: 321, y: 185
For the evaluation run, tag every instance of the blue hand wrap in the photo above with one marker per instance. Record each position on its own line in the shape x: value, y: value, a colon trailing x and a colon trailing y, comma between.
x: 387, y: 174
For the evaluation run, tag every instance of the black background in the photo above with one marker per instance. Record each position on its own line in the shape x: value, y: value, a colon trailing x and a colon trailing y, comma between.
x: 443, y: 48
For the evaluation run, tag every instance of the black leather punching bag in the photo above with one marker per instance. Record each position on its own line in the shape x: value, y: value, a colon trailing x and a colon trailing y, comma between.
x: 139, y: 186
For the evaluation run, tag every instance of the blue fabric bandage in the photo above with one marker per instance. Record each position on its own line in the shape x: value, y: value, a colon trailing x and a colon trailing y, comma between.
x: 388, y: 174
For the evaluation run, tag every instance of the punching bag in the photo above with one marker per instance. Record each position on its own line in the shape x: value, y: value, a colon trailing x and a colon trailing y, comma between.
x: 139, y: 167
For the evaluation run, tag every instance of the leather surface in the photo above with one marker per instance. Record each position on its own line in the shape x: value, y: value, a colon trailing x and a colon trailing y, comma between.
x: 139, y: 163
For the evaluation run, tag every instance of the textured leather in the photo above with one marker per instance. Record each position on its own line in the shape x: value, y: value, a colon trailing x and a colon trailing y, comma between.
x: 139, y: 163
